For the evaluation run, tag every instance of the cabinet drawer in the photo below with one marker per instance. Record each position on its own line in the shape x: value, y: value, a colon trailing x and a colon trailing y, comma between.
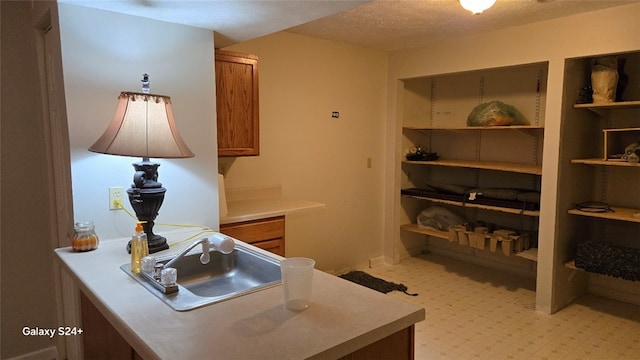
x: 274, y: 246
x: 255, y: 230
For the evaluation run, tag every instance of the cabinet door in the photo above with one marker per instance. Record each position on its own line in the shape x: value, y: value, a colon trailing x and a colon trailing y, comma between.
x: 100, y: 339
x: 237, y: 104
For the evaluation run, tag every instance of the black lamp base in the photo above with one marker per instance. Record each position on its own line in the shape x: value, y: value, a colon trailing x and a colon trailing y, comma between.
x: 146, y: 196
x: 159, y: 243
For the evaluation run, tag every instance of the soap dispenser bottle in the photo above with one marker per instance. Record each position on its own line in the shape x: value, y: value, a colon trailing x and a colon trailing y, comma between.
x: 139, y: 248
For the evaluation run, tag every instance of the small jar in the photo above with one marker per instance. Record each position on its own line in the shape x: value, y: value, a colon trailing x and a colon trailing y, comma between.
x: 84, y: 238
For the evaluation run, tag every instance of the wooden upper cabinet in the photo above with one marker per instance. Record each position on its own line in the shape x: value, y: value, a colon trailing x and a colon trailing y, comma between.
x: 237, y: 104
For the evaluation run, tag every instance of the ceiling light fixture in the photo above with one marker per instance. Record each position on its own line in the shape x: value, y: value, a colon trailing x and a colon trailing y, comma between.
x: 476, y: 6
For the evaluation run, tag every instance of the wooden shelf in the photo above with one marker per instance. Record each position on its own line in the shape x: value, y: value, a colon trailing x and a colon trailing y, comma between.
x: 425, y: 231
x: 487, y: 165
x: 463, y: 128
x: 605, y: 162
x: 572, y: 265
x: 604, y: 109
x: 621, y: 214
x: 613, y: 105
x: 477, y: 206
x: 530, y: 254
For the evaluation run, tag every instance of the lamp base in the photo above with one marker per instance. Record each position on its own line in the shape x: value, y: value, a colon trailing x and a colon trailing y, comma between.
x: 146, y: 196
x: 158, y: 243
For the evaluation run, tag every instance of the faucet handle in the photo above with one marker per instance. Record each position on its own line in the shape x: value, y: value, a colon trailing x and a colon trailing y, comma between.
x: 148, y: 263
x: 168, y: 276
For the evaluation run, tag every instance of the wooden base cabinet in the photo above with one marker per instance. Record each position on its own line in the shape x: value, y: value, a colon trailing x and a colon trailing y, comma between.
x: 101, y: 341
x: 267, y: 234
x: 396, y: 346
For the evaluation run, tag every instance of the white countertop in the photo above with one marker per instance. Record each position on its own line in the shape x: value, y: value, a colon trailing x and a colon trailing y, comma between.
x: 252, y: 209
x: 252, y: 203
x: 343, y: 317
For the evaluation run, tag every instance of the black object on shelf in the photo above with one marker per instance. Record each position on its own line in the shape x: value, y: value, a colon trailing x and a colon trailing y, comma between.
x: 607, y: 259
x: 594, y: 207
x: 511, y: 204
x: 422, y: 156
x: 585, y: 96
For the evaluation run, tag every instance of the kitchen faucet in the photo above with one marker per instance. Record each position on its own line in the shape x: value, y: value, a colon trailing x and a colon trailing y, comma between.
x: 217, y: 241
x: 163, y: 277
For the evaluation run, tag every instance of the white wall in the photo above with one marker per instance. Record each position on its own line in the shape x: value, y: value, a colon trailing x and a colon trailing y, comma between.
x: 313, y: 156
x: 105, y: 53
x: 612, y: 30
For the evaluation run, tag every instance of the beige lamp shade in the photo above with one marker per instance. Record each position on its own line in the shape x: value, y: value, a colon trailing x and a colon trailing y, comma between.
x: 143, y: 126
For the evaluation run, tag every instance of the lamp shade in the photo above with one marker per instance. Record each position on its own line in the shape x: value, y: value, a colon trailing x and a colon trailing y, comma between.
x: 143, y: 126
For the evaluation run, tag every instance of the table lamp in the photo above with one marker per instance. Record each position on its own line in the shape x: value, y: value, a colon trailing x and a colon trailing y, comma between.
x: 144, y: 126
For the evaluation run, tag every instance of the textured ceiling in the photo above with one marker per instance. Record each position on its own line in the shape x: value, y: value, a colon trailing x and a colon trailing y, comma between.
x: 232, y: 20
x: 380, y: 24
x: 398, y: 24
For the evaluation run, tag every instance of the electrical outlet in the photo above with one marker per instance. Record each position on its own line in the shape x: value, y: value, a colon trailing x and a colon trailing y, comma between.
x: 116, y: 193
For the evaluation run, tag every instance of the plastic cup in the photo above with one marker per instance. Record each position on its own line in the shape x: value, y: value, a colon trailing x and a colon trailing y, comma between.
x: 297, y: 281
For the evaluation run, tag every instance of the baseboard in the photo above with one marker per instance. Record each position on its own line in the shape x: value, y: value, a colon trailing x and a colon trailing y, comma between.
x: 376, y: 261
x: 613, y: 288
x: 409, y: 252
x: 388, y: 260
x: 50, y: 353
x: 339, y: 272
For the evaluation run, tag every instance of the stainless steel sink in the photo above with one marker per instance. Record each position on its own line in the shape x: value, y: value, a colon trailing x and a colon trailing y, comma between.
x: 225, y: 277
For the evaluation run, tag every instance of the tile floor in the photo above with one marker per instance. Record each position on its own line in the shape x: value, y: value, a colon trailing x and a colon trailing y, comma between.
x: 473, y: 312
